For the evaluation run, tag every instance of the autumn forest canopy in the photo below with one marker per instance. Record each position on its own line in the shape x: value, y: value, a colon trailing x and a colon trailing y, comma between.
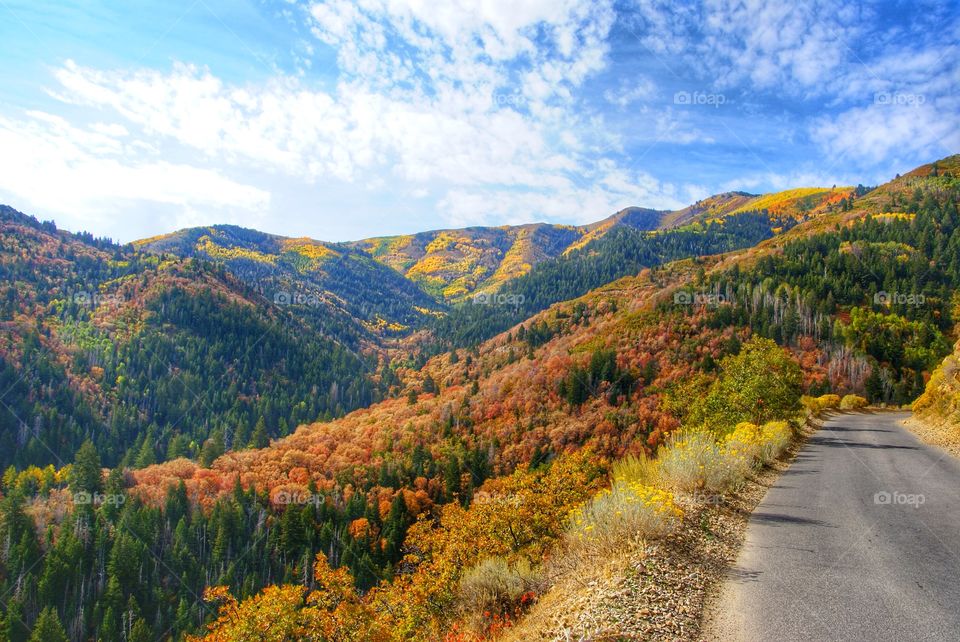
x: 224, y: 434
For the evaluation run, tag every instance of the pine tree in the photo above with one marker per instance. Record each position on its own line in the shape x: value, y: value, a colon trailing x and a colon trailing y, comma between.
x: 86, y: 475
x: 48, y: 628
x: 260, y: 439
x: 146, y: 455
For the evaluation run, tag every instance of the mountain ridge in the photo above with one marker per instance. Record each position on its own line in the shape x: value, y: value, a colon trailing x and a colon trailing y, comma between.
x: 452, y: 264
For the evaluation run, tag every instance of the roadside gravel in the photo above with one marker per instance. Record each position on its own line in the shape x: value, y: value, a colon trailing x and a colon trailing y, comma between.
x: 656, y: 590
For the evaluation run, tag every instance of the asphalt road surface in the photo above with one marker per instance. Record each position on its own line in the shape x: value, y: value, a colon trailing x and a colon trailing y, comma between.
x: 858, y: 540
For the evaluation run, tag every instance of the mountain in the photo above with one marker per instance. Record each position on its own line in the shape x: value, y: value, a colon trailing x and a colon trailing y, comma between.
x: 609, y: 373
x: 331, y: 284
x: 94, y: 323
x: 475, y: 459
x: 347, y: 298
x: 152, y: 356
x: 796, y: 204
x: 621, y: 251
x: 450, y: 266
x: 606, y: 370
x: 453, y: 264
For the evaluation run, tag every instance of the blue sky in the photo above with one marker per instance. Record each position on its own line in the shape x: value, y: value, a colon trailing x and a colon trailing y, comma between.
x: 348, y: 119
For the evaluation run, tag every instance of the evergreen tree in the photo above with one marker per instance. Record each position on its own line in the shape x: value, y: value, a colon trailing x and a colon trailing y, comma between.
x: 86, y: 475
x: 48, y: 628
x: 260, y: 439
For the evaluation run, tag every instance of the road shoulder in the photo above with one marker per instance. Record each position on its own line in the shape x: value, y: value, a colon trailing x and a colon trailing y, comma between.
x: 943, y: 435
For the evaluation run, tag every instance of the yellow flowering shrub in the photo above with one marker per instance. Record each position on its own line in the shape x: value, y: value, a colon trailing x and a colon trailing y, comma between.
x: 817, y: 405
x: 694, y: 461
x: 852, y: 402
x: 619, y: 514
x: 829, y: 401
x: 743, y: 446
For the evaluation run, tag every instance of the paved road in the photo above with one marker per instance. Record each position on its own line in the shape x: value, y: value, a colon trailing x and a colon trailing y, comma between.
x: 858, y: 540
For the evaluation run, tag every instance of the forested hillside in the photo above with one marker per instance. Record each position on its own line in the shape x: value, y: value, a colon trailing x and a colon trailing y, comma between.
x: 456, y: 264
x: 336, y: 288
x: 621, y: 252
x: 391, y: 521
x: 152, y: 358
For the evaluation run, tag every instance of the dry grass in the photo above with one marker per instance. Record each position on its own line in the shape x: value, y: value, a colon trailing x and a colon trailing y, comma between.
x: 636, y: 468
x: 495, y: 586
x: 695, y: 461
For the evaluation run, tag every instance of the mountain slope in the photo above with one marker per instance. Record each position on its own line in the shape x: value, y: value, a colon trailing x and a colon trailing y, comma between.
x: 940, y: 401
x: 340, y: 289
x: 450, y: 265
x: 150, y: 356
x: 453, y: 264
x: 486, y: 450
x: 613, y: 371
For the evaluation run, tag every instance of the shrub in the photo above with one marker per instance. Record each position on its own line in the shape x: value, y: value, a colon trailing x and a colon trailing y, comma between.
x: 775, y: 439
x: 636, y: 468
x: 761, y: 383
x: 743, y: 446
x: 829, y: 401
x: 852, y: 402
x: 813, y: 405
x: 496, y: 586
x: 693, y: 461
x: 616, y: 516
x: 816, y: 405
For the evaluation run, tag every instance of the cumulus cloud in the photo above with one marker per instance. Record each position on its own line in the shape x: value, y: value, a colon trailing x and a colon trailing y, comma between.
x: 481, y: 98
x: 897, y: 125
x: 82, y: 175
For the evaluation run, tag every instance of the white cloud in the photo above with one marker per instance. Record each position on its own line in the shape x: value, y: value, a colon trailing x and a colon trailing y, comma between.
x: 609, y: 190
x: 88, y: 176
x: 489, y: 111
x: 770, y: 181
x: 898, y: 125
x: 796, y: 48
x: 636, y: 89
x: 481, y: 98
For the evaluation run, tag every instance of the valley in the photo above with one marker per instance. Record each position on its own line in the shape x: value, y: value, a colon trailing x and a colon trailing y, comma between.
x: 219, y: 432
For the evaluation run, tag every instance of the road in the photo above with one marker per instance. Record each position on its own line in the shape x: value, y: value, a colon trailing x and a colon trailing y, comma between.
x: 858, y: 540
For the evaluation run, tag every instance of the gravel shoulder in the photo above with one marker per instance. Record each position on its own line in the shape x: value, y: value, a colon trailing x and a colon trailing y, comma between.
x: 654, y: 590
x: 943, y: 434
